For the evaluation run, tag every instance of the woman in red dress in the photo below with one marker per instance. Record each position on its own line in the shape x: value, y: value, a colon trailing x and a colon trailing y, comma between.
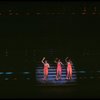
x: 69, y: 68
x: 45, y: 70
x: 59, y: 68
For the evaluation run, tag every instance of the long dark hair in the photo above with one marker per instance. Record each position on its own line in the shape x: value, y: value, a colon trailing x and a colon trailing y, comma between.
x: 68, y: 59
x: 57, y: 59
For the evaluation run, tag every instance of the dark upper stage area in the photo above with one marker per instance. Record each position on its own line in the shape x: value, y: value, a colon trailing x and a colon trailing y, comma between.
x: 68, y: 28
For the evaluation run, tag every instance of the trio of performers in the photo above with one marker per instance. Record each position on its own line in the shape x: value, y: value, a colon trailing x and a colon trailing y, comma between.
x: 59, y: 68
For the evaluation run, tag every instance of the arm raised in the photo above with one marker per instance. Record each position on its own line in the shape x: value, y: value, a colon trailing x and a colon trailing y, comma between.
x: 43, y: 60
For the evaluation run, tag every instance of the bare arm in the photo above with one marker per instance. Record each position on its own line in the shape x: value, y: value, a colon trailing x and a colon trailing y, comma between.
x: 48, y: 66
x: 43, y: 60
x: 71, y: 63
x: 66, y: 59
x: 55, y: 61
x: 61, y: 63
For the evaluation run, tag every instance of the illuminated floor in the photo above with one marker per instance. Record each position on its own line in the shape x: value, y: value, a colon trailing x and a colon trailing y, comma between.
x: 52, y: 76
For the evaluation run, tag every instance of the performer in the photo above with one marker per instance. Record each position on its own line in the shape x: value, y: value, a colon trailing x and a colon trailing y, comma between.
x: 46, y: 66
x: 69, y: 68
x: 59, y: 68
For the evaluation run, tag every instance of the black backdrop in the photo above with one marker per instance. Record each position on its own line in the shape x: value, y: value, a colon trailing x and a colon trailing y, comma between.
x: 59, y: 27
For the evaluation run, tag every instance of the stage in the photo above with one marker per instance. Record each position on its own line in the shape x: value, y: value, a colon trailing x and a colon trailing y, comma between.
x: 33, y: 30
x: 27, y: 89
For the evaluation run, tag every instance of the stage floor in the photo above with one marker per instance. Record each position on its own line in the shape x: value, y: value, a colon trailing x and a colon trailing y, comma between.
x: 27, y: 89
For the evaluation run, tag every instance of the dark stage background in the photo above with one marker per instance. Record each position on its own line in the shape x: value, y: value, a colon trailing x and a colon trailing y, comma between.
x: 31, y: 30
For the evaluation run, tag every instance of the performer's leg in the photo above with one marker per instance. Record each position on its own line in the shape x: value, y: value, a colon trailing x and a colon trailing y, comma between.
x: 57, y: 74
x: 70, y: 73
x: 67, y: 77
x: 46, y: 73
x: 60, y: 74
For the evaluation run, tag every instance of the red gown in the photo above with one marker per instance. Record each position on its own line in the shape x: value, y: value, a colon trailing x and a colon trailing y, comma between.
x: 69, y: 68
x: 46, y: 69
x: 59, y: 69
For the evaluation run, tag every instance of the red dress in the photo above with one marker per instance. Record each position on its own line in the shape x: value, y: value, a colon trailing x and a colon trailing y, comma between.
x: 59, y: 69
x: 46, y: 69
x: 69, y: 68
